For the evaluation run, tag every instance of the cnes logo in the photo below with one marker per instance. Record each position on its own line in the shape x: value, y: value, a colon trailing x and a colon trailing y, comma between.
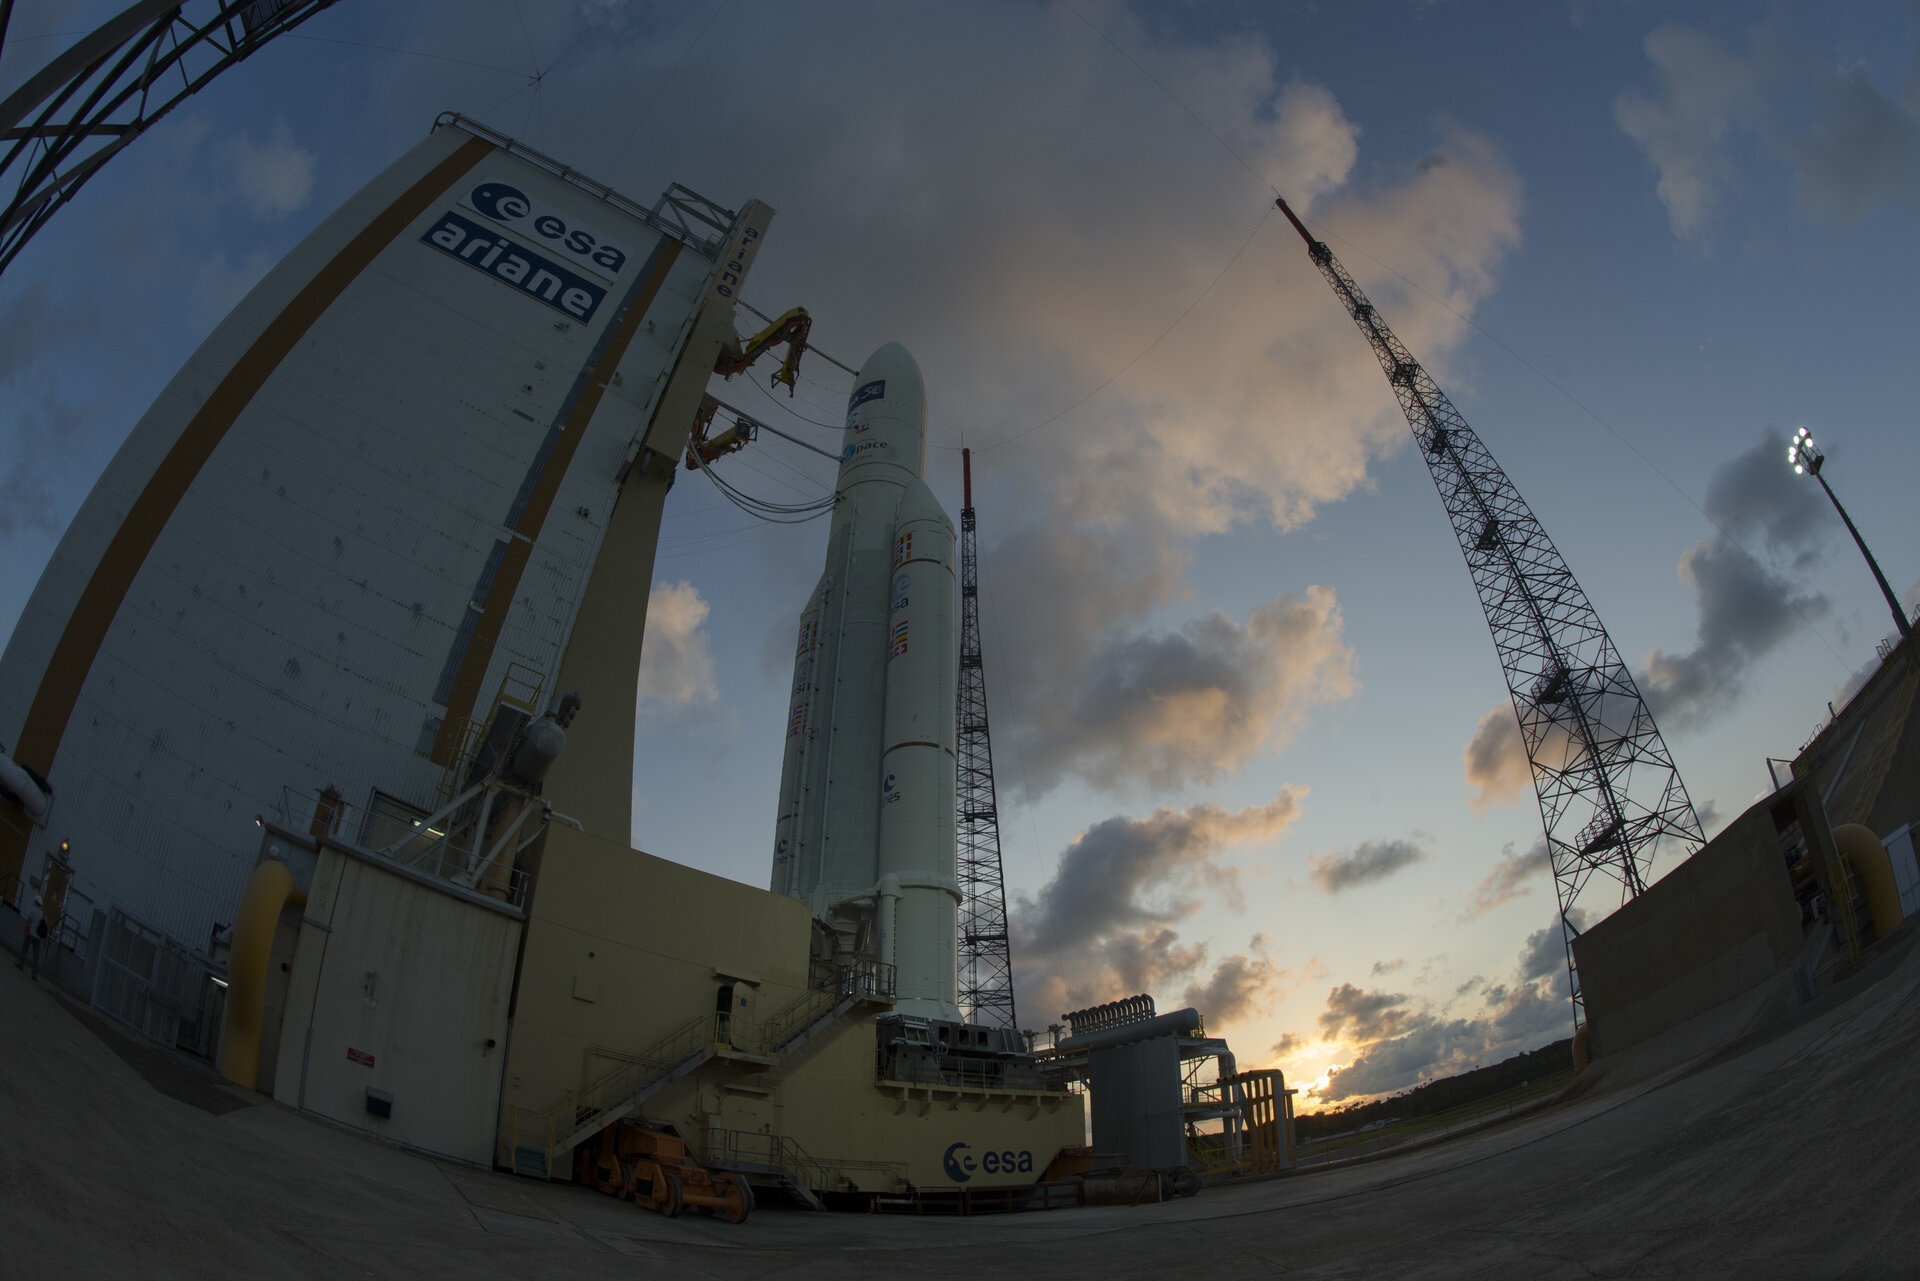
x: 503, y: 203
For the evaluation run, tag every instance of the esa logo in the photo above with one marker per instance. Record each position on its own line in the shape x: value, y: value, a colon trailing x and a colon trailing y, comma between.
x: 513, y: 208
x: 961, y: 1165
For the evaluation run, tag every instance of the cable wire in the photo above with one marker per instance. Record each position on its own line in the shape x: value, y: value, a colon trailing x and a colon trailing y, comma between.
x: 1227, y: 146
x: 1109, y: 380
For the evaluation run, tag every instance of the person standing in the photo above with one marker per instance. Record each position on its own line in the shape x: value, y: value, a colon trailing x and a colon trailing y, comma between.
x: 35, y: 938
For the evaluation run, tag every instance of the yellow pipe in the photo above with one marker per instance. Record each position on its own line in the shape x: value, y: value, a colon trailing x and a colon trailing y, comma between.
x: 270, y: 891
x: 1868, y: 858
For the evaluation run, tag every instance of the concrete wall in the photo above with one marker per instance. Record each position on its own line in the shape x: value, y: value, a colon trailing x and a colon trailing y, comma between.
x: 401, y: 985
x: 1720, y: 923
x: 1866, y: 762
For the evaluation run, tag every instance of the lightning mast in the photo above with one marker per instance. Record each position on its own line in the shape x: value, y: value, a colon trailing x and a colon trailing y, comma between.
x: 986, y: 964
x: 1608, y: 789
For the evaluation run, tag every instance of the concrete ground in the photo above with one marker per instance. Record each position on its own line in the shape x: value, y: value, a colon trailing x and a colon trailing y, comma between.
x: 1789, y: 1154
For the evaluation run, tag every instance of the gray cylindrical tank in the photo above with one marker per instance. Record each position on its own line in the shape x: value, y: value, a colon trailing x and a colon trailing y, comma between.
x: 540, y: 745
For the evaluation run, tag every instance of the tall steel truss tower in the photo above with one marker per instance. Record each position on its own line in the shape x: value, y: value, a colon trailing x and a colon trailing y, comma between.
x: 986, y: 963
x: 81, y: 109
x: 1608, y: 789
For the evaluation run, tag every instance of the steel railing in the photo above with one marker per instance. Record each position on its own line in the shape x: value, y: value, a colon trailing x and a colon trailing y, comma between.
x: 755, y: 1152
x: 614, y: 1093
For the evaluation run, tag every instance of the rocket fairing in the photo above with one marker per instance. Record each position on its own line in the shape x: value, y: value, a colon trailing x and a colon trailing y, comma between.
x: 866, y: 814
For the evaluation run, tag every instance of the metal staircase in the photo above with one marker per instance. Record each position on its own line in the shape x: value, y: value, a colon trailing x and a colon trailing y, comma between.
x: 538, y: 1138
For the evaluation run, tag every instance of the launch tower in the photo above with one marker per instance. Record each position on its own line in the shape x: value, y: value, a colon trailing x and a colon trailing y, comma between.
x: 986, y: 964
x: 1608, y: 789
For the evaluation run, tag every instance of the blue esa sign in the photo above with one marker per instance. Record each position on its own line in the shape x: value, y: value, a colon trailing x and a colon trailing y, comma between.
x: 534, y: 275
x: 514, y: 209
x: 961, y: 1165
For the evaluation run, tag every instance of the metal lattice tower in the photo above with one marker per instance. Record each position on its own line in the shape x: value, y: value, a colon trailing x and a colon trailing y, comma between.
x: 986, y: 963
x: 80, y: 110
x: 1608, y: 789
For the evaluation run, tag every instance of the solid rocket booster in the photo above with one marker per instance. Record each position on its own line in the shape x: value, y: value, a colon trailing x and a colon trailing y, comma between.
x: 866, y: 813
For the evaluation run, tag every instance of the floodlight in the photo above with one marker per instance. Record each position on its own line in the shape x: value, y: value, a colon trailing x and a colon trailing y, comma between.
x: 1806, y: 458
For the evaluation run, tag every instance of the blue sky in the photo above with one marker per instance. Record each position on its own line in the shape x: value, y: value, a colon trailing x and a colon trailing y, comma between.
x: 1234, y: 658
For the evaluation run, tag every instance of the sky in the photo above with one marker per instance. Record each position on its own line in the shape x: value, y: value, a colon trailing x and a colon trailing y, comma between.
x: 1252, y: 747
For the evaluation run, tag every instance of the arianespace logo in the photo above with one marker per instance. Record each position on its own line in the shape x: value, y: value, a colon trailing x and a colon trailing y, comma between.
x: 535, y: 275
x: 961, y: 1165
x: 510, y: 207
x: 864, y: 447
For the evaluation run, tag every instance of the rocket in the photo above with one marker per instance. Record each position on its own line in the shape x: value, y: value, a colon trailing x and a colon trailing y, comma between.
x: 865, y: 833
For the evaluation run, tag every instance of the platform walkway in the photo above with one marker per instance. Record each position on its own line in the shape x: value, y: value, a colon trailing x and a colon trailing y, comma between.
x: 1788, y: 1156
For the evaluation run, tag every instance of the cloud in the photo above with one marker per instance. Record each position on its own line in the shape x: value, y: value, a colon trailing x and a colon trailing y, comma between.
x: 1108, y: 439
x: 1746, y: 607
x: 1119, y: 871
x: 1171, y: 709
x: 1234, y: 990
x: 1544, y: 953
x: 1496, y: 759
x: 1366, y: 863
x: 1507, y: 879
x: 48, y: 431
x: 274, y: 176
x: 1397, y: 1041
x: 1705, y: 90
x: 1101, y: 928
x: 1848, y: 146
x: 1862, y: 149
x: 1388, y: 967
x: 676, y: 666
x: 1289, y: 1043
x: 1364, y: 1016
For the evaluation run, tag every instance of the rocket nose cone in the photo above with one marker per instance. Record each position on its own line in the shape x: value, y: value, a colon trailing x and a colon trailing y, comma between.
x: 893, y: 364
x: 886, y: 416
x: 918, y: 506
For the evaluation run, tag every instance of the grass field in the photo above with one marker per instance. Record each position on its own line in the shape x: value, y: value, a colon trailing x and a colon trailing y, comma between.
x: 1342, y: 1146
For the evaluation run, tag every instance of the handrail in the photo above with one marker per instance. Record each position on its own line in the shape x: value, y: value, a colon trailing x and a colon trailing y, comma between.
x: 776, y: 1153
x: 865, y: 980
x: 702, y: 1033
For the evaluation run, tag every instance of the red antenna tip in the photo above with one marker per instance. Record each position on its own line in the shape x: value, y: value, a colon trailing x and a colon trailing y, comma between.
x: 1281, y: 204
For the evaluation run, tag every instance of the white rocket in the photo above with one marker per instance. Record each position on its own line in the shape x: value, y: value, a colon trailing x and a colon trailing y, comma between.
x: 866, y: 819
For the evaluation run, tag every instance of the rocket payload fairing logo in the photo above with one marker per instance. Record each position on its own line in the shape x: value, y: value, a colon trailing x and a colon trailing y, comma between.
x: 872, y: 391
x: 902, y: 550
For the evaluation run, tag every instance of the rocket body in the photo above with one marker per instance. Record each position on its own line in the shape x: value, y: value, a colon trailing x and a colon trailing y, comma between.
x: 865, y: 830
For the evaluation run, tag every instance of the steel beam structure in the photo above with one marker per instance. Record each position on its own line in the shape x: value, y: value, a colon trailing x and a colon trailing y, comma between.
x: 82, y: 109
x: 986, y: 962
x: 1608, y: 790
